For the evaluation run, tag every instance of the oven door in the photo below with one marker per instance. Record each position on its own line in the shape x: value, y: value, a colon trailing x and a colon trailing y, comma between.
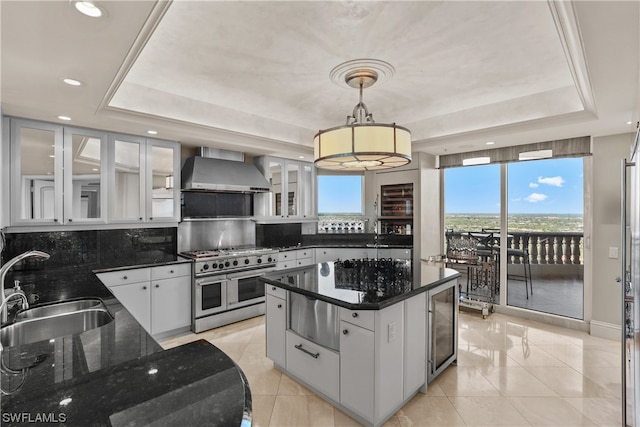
x: 244, y: 288
x: 210, y: 295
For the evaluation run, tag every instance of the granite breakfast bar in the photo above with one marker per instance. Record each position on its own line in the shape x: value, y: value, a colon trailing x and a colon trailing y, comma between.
x: 366, y: 335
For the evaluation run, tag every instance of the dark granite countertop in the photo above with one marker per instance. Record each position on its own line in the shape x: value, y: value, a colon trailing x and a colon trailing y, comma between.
x: 116, y: 374
x: 362, y: 284
x: 344, y: 245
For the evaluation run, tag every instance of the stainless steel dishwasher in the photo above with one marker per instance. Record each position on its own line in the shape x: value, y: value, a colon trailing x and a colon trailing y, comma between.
x: 315, y: 320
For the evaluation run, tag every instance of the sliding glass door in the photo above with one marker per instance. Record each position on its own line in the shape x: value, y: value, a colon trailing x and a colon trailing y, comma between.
x: 545, y: 236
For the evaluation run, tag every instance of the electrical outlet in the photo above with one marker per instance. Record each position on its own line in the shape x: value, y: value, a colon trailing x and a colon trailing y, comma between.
x: 391, y: 328
x: 613, y: 252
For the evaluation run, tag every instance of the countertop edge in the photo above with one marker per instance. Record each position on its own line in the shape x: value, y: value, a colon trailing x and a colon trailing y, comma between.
x: 369, y: 306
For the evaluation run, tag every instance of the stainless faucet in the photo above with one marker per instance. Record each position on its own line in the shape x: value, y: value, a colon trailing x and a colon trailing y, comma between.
x: 25, y: 305
x: 5, y: 269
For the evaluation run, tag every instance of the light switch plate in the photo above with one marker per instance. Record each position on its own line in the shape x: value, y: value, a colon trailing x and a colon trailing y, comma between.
x: 392, y: 331
x: 613, y: 252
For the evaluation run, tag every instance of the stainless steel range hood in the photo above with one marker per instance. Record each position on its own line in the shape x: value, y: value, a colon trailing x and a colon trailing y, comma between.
x: 212, y: 174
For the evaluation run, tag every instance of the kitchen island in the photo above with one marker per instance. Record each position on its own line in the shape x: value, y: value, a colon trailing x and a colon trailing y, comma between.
x: 365, y: 334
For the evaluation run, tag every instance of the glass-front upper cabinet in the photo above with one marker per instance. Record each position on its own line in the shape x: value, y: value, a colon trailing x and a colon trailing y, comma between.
x: 85, y: 196
x: 292, y: 194
x: 58, y: 174
x: 143, y: 175
x: 306, y: 190
x: 163, y: 183
x: 36, y: 172
x: 126, y: 177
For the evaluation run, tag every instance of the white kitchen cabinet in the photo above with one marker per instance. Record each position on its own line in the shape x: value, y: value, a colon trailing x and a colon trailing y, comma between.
x: 357, y: 368
x: 58, y: 174
x: 372, y: 349
x: 292, y: 195
x: 144, y: 175
x: 314, y: 364
x: 136, y: 297
x: 295, y: 258
x: 415, y: 341
x: 158, y: 297
x: 275, y: 327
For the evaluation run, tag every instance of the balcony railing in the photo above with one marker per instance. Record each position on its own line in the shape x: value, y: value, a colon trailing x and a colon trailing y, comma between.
x: 544, y: 247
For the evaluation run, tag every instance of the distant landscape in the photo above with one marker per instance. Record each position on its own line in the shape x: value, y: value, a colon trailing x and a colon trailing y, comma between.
x: 517, y: 222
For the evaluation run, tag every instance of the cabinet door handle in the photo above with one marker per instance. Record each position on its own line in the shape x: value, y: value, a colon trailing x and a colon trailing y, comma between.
x: 354, y: 315
x: 345, y: 332
x: 314, y: 355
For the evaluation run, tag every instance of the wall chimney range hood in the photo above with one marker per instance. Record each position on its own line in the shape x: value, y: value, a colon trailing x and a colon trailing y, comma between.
x: 213, y: 174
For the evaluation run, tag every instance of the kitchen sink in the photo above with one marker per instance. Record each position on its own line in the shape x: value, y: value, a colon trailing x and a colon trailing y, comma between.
x: 53, y: 325
x: 60, y: 308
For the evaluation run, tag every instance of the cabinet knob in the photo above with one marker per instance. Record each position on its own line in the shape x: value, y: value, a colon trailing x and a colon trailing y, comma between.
x: 144, y: 288
x: 345, y: 332
x: 124, y: 277
x: 70, y: 219
x: 279, y: 305
x: 55, y: 219
x: 354, y: 315
x: 273, y: 288
x: 157, y: 286
x: 140, y: 218
x: 150, y: 218
x: 171, y: 271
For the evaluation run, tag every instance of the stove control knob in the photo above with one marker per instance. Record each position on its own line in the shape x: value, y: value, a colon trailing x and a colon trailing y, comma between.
x: 227, y: 264
x: 205, y: 267
x: 235, y: 262
x: 214, y: 265
x: 221, y: 266
x: 246, y: 261
x: 269, y: 259
x: 259, y: 260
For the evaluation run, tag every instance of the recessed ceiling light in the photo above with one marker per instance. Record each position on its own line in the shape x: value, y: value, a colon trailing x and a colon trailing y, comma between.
x: 72, y: 82
x: 64, y: 117
x: 88, y: 8
x: 629, y: 122
x: 490, y: 142
x: 301, y: 157
x: 152, y: 132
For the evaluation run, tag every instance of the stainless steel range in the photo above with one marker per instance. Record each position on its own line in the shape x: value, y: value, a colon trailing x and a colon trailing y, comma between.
x: 226, y: 288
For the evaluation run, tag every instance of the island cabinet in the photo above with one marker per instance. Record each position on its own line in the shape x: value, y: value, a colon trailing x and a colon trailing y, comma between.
x: 276, y: 323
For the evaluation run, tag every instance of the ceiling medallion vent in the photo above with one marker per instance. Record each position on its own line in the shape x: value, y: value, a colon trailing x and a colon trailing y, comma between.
x: 362, y: 144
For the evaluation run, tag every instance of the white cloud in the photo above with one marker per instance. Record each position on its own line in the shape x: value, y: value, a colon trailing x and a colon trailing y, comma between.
x: 555, y: 181
x: 535, y: 197
x: 533, y: 185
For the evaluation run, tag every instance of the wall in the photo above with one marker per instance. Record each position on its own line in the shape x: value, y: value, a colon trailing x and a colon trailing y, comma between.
x: 608, y: 152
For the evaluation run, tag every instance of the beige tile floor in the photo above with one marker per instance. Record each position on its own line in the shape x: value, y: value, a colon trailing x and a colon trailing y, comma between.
x: 510, y: 372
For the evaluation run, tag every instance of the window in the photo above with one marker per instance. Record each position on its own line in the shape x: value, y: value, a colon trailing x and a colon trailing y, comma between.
x: 340, y: 195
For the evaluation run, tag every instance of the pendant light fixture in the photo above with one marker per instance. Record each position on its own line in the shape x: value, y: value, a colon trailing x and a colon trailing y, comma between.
x: 362, y: 144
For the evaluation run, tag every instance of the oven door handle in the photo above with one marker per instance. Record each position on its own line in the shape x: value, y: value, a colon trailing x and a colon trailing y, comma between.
x: 207, y: 282
x: 251, y: 273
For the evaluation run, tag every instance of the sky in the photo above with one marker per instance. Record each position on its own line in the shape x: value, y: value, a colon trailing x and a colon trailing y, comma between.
x: 551, y: 186
x: 339, y: 194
